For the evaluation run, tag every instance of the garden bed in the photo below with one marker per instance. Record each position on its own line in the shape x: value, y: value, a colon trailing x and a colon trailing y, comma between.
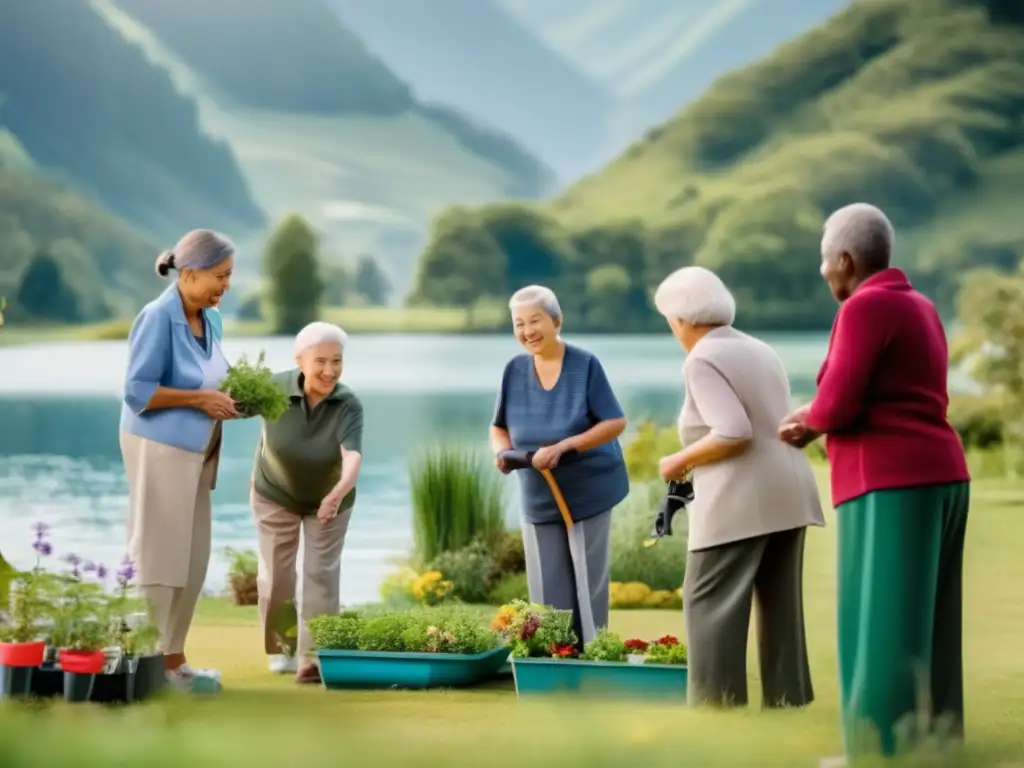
x: 546, y: 658
x: 416, y: 648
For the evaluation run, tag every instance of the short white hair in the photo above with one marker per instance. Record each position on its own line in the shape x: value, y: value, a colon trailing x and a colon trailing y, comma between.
x: 319, y: 333
x: 697, y: 296
x: 537, y: 296
x: 861, y: 230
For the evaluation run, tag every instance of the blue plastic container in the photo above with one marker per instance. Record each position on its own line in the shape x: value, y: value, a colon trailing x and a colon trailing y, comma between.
x: 372, y: 669
x: 605, y: 679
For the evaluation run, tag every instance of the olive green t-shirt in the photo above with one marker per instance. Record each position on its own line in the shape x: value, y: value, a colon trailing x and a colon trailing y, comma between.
x: 298, y: 459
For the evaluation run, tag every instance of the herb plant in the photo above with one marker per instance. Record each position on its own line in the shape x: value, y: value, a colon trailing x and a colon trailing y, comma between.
x: 252, y: 387
x: 606, y: 646
x: 667, y: 650
x: 28, y: 593
x: 79, y: 608
x: 419, y: 630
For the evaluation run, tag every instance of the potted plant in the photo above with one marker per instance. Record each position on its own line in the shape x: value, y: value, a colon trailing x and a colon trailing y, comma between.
x: 254, y: 390
x: 423, y: 647
x: 137, y: 671
x: 243, y: 571
x: 545, y: 658
x: 80, y: 627
x: 22, y: 650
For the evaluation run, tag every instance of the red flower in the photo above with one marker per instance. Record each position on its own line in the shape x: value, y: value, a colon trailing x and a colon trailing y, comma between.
x: 529, y: 628
x: 667, y: 640
x: 636, y: 645
x: 563, y: 650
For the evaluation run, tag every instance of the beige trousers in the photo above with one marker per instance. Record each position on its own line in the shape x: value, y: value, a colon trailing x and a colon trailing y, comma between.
x: 279, y: 532
x: 169, y: 528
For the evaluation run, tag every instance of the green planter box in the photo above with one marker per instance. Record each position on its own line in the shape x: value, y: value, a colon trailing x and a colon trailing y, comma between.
x: 372, y: 669
x: 604, y: 679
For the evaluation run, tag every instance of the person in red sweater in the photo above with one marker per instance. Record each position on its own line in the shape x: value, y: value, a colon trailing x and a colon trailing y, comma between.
x: 901, y: 488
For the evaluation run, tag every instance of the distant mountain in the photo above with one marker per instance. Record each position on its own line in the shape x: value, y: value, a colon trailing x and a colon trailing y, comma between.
x: 88, y: 107
x: 913, y: 105
x: 474, y: 55
x: 322, y: 127
x: 657, y: 56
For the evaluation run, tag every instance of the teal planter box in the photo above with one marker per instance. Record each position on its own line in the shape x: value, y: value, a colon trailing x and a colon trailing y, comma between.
x: 372, y: 669
x: 604, y: 679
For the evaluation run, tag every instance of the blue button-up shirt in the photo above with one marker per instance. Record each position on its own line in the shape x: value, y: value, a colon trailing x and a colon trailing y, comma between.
x: 162, y: 352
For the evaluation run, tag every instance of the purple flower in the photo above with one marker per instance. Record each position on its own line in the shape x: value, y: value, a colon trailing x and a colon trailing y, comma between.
x: 101, y: 572
x: 43, y: 548
x: 127, y: 571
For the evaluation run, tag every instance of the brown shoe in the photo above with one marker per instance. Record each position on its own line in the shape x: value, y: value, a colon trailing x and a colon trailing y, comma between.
x: 308, y: 673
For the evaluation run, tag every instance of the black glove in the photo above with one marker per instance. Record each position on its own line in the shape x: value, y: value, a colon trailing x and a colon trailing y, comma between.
x: 679, y: 495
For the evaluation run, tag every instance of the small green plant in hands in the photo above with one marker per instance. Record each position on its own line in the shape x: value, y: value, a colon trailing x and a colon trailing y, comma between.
x: 251, y: 386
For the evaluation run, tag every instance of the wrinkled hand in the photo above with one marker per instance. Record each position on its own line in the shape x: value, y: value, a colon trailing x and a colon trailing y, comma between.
x: 668, y: 468
x: 328, y: 509
x: 794, y: 431
x: 501, y: 464
x: 218, y: 405
x: 547, y: 457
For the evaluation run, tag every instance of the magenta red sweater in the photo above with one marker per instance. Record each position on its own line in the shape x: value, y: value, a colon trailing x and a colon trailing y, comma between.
x: 882, y: 394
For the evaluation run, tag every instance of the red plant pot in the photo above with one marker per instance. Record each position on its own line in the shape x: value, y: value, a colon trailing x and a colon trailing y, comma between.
x: 22, y: 654
x: 82, y: 662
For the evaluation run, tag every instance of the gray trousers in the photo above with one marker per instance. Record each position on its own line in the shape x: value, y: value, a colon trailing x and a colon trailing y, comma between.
x: 570, y: 571
x: 719, y: 587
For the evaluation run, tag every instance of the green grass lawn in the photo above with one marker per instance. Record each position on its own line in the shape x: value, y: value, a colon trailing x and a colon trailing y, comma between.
x: 265, y: 720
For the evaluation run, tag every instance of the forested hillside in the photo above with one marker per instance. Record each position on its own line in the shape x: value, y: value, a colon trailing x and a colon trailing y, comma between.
x: 915, y: 105
x: 88, y: 106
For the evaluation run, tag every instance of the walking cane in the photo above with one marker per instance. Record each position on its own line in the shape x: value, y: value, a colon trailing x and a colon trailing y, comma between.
x: 524, y: 460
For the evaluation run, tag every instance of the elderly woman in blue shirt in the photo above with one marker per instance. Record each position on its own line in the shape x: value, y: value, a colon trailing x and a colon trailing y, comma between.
x: 556, y: 400
x: 170, y: 439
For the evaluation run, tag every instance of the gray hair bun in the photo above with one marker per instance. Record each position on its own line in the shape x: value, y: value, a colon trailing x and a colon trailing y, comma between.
x: 165, y: 263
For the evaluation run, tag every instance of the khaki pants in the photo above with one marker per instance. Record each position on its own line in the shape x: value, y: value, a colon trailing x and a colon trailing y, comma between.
x: 169, y: 528
x: 279, y: 532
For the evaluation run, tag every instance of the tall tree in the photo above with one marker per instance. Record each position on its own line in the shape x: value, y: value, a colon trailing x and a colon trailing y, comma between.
x: 291, y: 269
x: 371, y: 283
x: 60, y: 285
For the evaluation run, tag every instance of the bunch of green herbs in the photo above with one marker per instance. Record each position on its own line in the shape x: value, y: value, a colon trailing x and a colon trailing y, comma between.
x: 252, y: 387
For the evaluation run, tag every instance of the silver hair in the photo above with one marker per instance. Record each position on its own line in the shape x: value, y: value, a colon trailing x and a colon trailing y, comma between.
x: 319, y: 333
x: 861, y: 230
x: 199, y: 249
x: 537, y: 296
x: 697, y: 296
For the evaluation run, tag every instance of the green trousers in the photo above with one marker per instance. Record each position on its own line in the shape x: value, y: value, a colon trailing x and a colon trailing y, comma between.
x: 901, y: 616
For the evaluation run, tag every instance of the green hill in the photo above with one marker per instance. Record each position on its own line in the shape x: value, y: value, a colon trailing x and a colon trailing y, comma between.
x: 89, y: 107
x: 320, y: 127
x: 89, y: 265
x: 915, y: 105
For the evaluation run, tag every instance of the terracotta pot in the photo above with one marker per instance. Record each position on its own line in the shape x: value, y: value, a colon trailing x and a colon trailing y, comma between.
x: 82, y: 662
x: 22, y: 654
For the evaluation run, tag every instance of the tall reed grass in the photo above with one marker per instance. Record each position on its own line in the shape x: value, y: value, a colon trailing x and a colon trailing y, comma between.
x: 457, y: 496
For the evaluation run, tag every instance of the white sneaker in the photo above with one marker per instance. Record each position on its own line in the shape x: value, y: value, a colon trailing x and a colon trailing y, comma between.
x: 185, y: 678
x: 283, y: 665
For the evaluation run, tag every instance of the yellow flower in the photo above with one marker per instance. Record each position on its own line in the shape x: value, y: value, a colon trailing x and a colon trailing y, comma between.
x: 399, y: 583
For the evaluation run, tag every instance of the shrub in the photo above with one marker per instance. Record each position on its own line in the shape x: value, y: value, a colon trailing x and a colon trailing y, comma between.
x: 509, y: 555
x: 470, y: 571
x: 335, y: 632
x: 646, y: 447
x: 635, y: 594
x: 398, y: 585
x: 509, y: 588
x: 242, y: 575
x: 456, y: 498
x: 659, y: 567
x: 431, y: 588
x: 978, y: 419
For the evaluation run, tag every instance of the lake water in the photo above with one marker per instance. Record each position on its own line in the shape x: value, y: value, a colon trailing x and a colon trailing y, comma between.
x: 60, y: 462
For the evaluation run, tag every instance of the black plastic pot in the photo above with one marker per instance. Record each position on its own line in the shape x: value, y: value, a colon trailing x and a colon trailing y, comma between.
x: 47, y: 681
x: 117, y: 687
x: 78, y: 688
x: 15, y: 682
x: 150, y: 677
